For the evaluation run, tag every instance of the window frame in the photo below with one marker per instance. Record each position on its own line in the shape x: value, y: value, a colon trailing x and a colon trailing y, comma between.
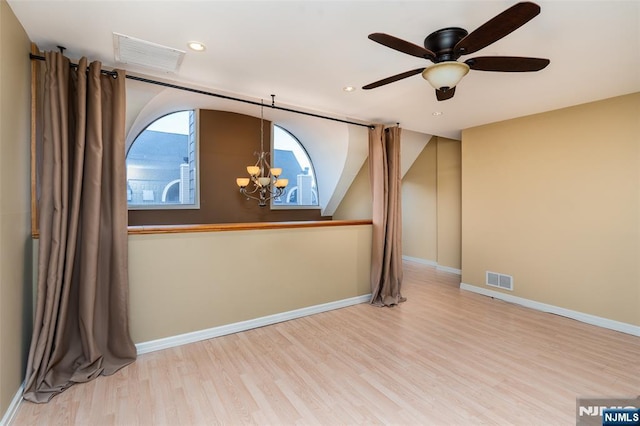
x: 275, y: 206
x: 196, y: 201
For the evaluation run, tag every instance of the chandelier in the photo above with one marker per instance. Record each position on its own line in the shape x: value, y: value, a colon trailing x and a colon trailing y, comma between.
x: 264, y: 182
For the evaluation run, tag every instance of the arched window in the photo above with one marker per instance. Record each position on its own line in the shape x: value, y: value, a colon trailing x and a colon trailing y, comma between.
x: 161, y: 164
x: 290, y: 155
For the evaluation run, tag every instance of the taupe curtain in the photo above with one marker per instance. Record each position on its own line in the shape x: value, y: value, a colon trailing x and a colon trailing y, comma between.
x: 81, y: 327
x: 386, y: 251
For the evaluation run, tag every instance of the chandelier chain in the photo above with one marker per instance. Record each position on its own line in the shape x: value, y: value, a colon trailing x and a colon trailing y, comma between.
x: 265, y: 181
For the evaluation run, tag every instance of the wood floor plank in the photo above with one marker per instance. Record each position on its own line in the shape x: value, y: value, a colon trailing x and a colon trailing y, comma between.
x: 446, y: 356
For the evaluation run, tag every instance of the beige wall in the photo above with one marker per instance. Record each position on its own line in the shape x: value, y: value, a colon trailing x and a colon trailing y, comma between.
x: 357, y: 202
x: 431, y: 203
x: 419, y: 206
x: 181, y: 283
x: 431, y: 198
x: 553, y: 200
x: 15, y: 230
x: 449, y: 202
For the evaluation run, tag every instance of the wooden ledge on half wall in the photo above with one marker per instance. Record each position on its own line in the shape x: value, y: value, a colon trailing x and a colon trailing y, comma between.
x: 176, y: 229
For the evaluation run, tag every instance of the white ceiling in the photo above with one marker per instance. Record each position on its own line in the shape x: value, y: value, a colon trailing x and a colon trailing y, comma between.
x: 305, y: 52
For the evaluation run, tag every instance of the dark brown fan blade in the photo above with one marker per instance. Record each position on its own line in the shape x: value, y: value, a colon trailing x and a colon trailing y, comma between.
x: 498, y: 27
x: 392, y: 78
x: 506, y: 63
x: 402, y: 46
x: 443, y: 95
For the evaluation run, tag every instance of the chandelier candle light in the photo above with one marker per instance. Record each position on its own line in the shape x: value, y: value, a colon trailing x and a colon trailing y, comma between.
x: 264, y: 180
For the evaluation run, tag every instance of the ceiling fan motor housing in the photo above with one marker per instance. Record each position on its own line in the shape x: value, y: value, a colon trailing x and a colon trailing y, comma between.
x: 443, y: 42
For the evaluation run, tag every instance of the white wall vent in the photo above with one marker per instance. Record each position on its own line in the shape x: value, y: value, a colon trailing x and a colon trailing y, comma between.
x: 503, y: 281
x: 130, y: 50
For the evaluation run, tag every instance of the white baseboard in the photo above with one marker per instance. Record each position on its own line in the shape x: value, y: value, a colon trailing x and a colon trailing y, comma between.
x: 539, y: 306
x: 449, y: 269
x: 13, y: 407
x: 421, y: 261
x: 434, y: 264
x: 196, y: 336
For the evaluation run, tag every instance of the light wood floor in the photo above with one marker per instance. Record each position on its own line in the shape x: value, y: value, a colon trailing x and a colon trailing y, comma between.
x: 444, y: 357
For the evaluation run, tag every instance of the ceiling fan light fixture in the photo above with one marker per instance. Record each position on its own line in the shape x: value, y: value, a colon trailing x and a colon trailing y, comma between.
x: 445, y: 74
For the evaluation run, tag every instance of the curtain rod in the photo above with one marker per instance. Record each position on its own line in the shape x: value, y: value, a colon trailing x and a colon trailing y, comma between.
x: 217, y: 95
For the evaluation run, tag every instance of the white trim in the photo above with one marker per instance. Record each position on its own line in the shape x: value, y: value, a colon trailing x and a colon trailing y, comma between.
x: 196, y: 336
x: 13, y: 407
x: 421, y: 261
x: 539, y: 306
x: 434, y: 264
x: 449, y: 269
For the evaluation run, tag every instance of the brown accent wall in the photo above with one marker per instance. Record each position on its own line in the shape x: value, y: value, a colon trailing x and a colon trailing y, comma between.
x: 227, y: 144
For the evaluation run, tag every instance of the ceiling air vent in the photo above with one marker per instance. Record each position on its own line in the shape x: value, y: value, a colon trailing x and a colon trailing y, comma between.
x: 130, y: 50
x: 503, y: 281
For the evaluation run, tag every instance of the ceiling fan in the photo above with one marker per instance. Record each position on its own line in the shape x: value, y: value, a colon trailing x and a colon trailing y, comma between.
x: 445, y: 46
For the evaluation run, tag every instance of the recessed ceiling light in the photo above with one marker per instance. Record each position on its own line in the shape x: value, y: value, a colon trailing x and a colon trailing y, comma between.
x: 436, y: 113
x: 348, y: 88
x: 196, y: 45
